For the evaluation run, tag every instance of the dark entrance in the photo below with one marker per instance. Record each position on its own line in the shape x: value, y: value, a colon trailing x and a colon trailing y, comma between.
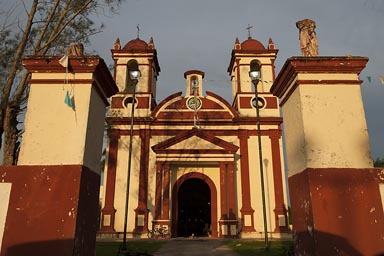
x: 194, y: 208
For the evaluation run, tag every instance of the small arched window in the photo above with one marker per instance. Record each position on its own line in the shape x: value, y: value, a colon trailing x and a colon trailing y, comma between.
x: 132, y: 65
x: 255, y: 66
x: 194, y: 86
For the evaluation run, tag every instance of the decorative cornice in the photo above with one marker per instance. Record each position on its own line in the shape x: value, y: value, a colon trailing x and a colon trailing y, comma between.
x: 163, y: 147
x: 324, y: 64
x: 76, y: 64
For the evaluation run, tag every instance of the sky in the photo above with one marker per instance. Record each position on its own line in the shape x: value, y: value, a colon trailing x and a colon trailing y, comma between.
x: 200, y: 34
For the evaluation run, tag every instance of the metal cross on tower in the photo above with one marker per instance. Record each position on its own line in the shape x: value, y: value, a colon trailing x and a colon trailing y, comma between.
x: 249, y: 30
x: 138, y: 30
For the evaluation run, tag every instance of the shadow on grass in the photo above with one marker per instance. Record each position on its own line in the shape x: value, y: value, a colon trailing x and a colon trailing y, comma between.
x: 255, y: 248
x: 136, y: 247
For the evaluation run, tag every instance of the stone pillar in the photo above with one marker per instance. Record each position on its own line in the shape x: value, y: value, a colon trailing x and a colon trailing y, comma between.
x: 281, y: 218
x: 162, y: 192
x: 166, y: 186
x: 141, y: 212
x: 334, y: 191
x: 246, y: 210
x: 53, y: 204
x: 158, y: 192
x: 108, y: 211
x: 228, y: 221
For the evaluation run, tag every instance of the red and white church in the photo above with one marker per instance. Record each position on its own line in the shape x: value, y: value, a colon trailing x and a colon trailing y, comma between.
x: 194, y: 167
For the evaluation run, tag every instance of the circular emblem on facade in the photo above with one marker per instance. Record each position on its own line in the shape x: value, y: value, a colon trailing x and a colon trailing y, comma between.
x: 127, y: 101
x: 260, y: 102
x: 194, y: 103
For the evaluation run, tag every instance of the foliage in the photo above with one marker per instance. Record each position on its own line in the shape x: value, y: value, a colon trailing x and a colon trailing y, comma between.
x: 379, y: 162
x: 134, y: 246
x: 50, y: 26
x: 255, y: 248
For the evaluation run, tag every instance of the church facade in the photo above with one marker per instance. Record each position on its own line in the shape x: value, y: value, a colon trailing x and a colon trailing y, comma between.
x: 195, y: 166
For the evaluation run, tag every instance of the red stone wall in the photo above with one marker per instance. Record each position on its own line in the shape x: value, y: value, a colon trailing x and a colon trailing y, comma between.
x: 52, y: 210
x: 337, y: 211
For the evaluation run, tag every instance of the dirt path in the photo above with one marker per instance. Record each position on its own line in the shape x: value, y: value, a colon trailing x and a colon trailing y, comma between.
x: 195, y: 247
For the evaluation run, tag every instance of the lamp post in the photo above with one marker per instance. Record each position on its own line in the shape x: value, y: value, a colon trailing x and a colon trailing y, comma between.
x: 134, y: 75
x: 255, y: 77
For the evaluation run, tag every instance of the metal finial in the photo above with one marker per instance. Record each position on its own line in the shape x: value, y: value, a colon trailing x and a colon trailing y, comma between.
x: 138, y: 30
x: 249, y: 30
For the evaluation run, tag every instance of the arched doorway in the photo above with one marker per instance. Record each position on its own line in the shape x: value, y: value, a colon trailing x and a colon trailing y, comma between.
x: 203, y: 182
x: 194, y: 208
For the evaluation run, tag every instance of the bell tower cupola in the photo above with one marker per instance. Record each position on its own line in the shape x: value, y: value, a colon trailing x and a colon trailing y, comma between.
x: 194, y: 80
x: 247, y: 56
x: 135, y: 55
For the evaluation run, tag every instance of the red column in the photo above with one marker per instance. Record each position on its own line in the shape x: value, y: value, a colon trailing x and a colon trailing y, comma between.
x: 166, y: 181
x: 108, y: 212
x: 246, y: 209
x: 280, y: 209
x: 231, y: 190
x: 159, y: 182
x: 142, y: 211
x: 227, y: 191
x: 228, y: 221
x: 223, y: 192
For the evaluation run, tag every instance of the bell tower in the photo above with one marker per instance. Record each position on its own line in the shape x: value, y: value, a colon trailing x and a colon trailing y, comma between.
x: 135, y: 55
x: 246, y: 56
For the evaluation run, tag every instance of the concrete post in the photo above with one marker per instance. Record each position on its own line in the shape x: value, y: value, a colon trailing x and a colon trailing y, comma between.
x: 335, y: 193
x: 53, y: 202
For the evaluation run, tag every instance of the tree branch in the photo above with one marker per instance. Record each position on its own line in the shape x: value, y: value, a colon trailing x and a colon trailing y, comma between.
x: 55, y: 34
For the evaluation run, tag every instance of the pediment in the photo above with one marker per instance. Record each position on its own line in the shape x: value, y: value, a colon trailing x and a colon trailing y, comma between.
x: 195, y: 141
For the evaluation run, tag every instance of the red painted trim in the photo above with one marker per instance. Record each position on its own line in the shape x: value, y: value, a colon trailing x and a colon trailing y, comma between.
x: 52, y: 210
x: 114, y: 68
x: 158, y: 192
x: 175, y: 191
x: 238, y: 53
x: 163, y: 147
x: 84, y: 64
x: 165, y: 101
x: 109, y: 208
x: 280, y: 208
x: 325, y: 64
x: 213, y: 133
x: 193, y: 72
x: 223, y: 192
x: 227, y: 191
x: 246, y: 208
x: 245, y: 102
x: 142, y: 208
x: 337, y: 211
x: 219, y: 98
x: 273, y: 69
x: 166, y: 183
x: 193, y: 151
x: 231, y: 190
x: 60, y: 81
x: 149, y: 88
x: 238, y: 75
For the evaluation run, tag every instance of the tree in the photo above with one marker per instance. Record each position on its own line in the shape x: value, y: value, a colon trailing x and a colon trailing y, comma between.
x: 51, y: 26
x: 379, y: 162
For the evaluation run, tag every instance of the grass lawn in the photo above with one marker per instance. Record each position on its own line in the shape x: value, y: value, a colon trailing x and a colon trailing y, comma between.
x: 242, y: 247
x: 133, y: 246
x: 256, y: 248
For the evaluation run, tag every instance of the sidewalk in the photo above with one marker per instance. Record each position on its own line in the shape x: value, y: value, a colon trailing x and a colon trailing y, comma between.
x: 195, y: 247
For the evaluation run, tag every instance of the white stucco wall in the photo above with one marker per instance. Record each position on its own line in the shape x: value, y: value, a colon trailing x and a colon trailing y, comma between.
x: 58, y: 134
x: 325, y: 127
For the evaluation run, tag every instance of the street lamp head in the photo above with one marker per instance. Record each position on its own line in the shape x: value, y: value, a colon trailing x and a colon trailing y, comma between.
x: 134, y: 74
x: 254, y: 75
